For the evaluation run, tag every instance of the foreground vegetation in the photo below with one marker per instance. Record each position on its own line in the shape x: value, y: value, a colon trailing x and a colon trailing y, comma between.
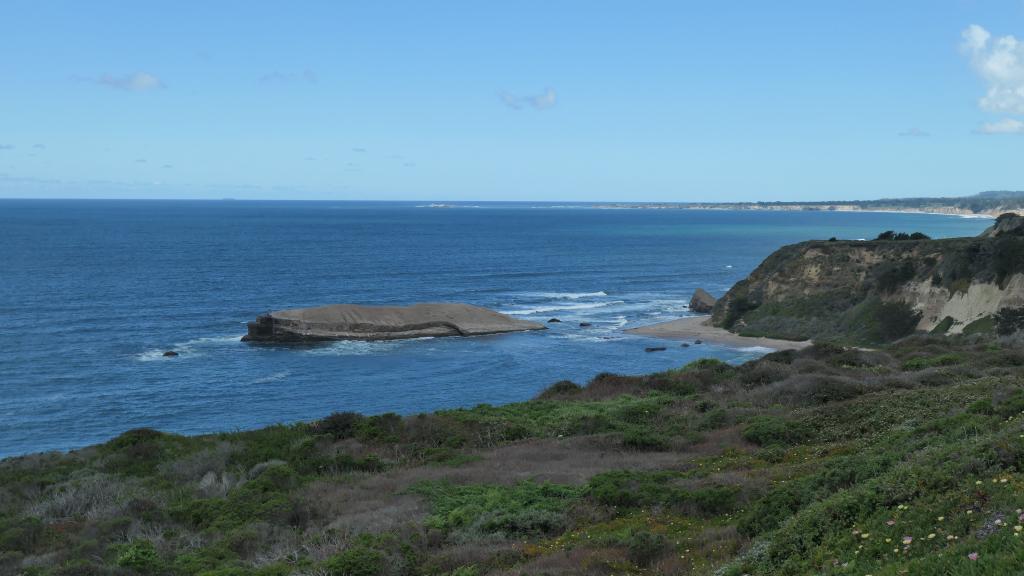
x: 831, y: 460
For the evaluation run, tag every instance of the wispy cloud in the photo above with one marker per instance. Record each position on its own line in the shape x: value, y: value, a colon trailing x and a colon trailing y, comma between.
x: 134, y: 82
x: 360, y: 150
x: 306, y: 76
x: 1000, y: 62
x: 1004, y: 126
x: 39, y: 146
x: 6, y: 146
x: 915, y: 133
x: 536, y: 101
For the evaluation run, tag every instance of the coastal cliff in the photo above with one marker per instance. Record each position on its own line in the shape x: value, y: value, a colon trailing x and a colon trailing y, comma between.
x: 352, y: 322
x: 880, y: 290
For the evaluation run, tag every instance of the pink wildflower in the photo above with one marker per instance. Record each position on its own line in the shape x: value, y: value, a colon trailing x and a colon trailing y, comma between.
x: 973, y: 555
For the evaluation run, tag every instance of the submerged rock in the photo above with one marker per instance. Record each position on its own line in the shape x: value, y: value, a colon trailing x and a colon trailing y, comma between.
x: 170, y: 354
x: 655, y: 349
x: 702, y: 302
x: 554, y: 321
x: 585, y: 324
x: 353, y: 322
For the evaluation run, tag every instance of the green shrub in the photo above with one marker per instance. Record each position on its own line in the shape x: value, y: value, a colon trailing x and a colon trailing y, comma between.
x: 628, y: 489
x: 23, y: 535
x: 139, y: 555
x: 943, y: 326
x: 771, y: 430
x: 560, y: 388
x: 340, y: 425
x: 643, y: 439
x: 922, y: 362
x: 356, y: 561
x: 1009, y: 321
x: 986, y: 325
x: 527, y: 508
x: 644, y: 547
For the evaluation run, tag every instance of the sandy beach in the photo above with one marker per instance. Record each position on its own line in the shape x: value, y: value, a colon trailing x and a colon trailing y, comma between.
x: 694, y: 328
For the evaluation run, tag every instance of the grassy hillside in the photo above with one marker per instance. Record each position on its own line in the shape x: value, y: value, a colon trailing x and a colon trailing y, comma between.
x: 905, y: 460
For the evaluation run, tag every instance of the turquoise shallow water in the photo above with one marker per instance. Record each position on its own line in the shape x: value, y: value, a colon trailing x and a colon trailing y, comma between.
x: 92, y: 293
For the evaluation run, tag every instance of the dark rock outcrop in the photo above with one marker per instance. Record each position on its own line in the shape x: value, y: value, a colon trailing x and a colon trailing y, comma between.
x: 702, y: 302
x: 170, y: 354
x: 655, y: 349
x: 554, y: 321
x: 353, y: 322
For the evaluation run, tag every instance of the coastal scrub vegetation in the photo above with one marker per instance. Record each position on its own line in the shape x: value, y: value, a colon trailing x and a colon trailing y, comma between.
x: 829, y: 460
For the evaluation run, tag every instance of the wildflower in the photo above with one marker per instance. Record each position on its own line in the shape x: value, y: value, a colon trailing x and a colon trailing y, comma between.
x: 1003, y: 480
x: 941, y: 518
x: 890, y: 522
x: 973, y: 555
x: 865, y: 535
x: 949, y: 537
x: 977, y: 483
x: 932, y: 535
x: 888, y: 539
x: 908, y: 539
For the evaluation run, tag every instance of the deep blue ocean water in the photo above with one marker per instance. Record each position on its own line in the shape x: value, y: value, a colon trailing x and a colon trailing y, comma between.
x: 92, y: 293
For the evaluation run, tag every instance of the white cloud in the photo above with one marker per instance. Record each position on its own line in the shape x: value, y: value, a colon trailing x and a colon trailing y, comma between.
x: 1004, y: 126
x: 1000, y: 62
x: 134, y: 82
x: 537, y: 101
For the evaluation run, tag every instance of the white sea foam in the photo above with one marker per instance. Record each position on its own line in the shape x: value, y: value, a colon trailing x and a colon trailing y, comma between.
x: 757, y: 349
x: 188, y: 348
x: 569, y: 295
x: 272, y: 377
x: 560, y: 307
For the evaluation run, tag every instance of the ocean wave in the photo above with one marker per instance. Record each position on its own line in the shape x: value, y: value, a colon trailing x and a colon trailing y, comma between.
x: 560, y: 308
x: 757, y: 349
x: 187, y: 348
x: 272, y: 377
x: 588, y: 338
x: 569, y: 295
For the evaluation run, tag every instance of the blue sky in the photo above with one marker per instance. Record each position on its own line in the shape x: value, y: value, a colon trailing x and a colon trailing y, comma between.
x: 566, y: 100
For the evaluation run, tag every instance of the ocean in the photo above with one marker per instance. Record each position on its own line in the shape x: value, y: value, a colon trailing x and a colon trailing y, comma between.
x: 93, y: 292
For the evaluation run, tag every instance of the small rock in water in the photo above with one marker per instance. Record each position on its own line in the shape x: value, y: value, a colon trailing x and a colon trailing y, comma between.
x: 554, y: 321
x: 585, y: 324
x: 698, y: 341
x: 685, y: 345
x: 170, y: 354
x: 655, y: 349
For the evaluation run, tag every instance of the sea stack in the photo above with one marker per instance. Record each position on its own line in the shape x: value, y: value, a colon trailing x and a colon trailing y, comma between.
x: 353, y: 322
x: 702, y: 302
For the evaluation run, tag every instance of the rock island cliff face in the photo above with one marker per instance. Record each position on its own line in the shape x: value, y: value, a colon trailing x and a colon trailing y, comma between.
x: 880, y: 290
x: 352, y: 322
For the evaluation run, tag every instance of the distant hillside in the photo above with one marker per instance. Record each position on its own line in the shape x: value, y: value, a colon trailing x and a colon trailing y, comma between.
x: 881, y: 290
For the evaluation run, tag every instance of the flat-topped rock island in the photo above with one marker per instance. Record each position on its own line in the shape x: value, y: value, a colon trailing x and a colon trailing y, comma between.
x: 354, y: 322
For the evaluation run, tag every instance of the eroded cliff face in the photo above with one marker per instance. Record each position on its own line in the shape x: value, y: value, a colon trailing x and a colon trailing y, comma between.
x: 880, y: 290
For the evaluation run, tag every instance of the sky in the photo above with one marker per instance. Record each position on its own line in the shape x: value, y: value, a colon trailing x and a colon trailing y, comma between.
x: 548, y: 100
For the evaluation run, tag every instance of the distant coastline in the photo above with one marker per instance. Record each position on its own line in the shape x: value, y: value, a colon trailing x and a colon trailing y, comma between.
x: 815, y: 207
